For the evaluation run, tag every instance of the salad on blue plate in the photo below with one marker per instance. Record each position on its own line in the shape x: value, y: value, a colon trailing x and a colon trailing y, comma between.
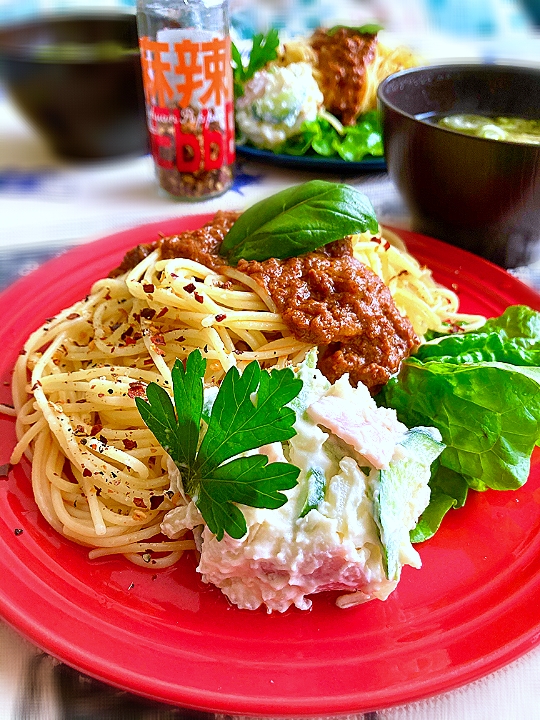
x: 315, y: 96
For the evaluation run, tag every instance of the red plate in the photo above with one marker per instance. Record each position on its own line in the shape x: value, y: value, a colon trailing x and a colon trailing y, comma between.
x: 471, y: 608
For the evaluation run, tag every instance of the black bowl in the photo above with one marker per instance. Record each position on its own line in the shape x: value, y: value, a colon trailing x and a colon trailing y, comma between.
x: 480, y: 194
x: 78, y: 81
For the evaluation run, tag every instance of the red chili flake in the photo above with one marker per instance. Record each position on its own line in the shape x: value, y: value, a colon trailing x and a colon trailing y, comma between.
x: 148, y: 288
x: 5, y: 469
x: 189, y: 288
x: 73, y: 316
x: 148, y: 361
x: 23, y: 352
x: 152, y: 460
x: 50, y: 319
x: 98, y: 491
x: 127, y: 332
x: 79, y: 430
x: 82, y: 400
x: 136, y: 389
x: 155, y: 501
x: 220, y: 318
x: 147, y: 313
x: 158, y: 339
x: 18, y: 531
x: 87, y: 472
x: 136, y: 317
x: 129, y: 444
x: 139, y: 502
x: 107, y: 296
x: 97, y: 428
x: 162, y: 312
x: 199, y: 298
x: 100, y: 395
x: 102, y: 439
x: 130, y: 341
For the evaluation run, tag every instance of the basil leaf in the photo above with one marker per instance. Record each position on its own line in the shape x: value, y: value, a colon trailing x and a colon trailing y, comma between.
x: 297, y: 220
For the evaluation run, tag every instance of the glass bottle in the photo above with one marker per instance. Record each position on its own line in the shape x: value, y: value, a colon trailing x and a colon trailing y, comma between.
x: 187, y: 74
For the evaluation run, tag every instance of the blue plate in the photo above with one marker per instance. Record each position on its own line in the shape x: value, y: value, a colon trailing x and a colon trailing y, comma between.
x: 317, y: 163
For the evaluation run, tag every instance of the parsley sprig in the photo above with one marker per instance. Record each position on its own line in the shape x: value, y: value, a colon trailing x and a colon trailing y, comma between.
x: 263, y: 50
x: 250, y: 410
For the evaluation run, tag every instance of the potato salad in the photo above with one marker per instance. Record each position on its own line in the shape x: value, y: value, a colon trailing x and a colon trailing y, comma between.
x: 362, y: 486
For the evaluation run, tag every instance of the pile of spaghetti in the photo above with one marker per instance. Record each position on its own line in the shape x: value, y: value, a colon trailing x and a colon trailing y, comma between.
x: 98, y: 475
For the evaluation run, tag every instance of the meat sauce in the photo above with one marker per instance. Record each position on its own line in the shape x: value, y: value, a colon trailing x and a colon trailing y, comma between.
x: 200, y: 245
x: 342, y: 58
x: 330, y: 299
x: 326, y: 298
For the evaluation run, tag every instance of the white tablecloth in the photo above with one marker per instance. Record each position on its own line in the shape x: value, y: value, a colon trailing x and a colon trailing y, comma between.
x: 46, y: 206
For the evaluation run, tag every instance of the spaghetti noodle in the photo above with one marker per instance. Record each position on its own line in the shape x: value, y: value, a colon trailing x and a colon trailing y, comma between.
x: 98, y: 475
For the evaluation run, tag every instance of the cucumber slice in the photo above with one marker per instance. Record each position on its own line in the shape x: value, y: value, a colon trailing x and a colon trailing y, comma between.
x: 316, y: 487
x: 396, y: 487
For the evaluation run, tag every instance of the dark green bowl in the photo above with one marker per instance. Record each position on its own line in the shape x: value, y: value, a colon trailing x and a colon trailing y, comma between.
x: 480, y: 194
x: 78, y: 81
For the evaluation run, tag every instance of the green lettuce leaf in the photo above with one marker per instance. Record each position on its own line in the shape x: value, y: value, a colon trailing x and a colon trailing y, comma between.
x: 488, y: 415
x: 352, y: 144
x: 513, y: 337
x: 482, y: 391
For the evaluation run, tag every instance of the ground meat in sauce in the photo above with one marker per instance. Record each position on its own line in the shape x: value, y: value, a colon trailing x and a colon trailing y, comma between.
x: 326, y: 298
x: 330, y: 299
x: 342, y: 58
x: 132, y: 258
x: 201, y: 245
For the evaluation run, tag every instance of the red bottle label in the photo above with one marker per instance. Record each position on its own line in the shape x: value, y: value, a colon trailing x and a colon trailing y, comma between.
x: 189, y: 98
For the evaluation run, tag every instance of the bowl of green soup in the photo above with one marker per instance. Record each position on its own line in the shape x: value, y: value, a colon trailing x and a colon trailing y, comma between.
x: 462, y: 144
x: 77, y: 79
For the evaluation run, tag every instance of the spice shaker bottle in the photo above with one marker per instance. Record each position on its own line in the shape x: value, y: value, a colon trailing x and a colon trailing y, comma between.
x: 187, y: 75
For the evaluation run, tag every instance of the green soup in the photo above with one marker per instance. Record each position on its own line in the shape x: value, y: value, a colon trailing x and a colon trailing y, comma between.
x: 83, y: 52
x: 509, y: 129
